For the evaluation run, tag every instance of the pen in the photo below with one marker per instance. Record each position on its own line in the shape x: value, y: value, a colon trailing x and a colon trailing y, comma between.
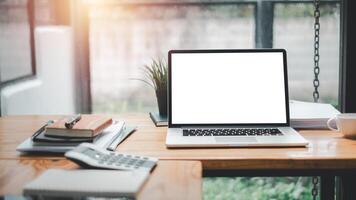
x: 39, y: 131
x: 72, y: 121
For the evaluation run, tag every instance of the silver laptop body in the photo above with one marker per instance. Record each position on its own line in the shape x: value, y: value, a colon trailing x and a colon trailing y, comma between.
x: 224, y: 98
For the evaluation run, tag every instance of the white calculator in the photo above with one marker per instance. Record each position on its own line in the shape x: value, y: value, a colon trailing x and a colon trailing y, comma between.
x: 90, y: 156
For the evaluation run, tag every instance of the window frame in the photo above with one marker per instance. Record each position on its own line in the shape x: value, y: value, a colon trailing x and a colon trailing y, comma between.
x: 347, y: 82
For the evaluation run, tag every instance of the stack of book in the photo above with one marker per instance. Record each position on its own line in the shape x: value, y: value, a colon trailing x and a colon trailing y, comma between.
x: 158, y: 119
x: 85, y: 130
x: 308, y: 115
x: 57, y: 137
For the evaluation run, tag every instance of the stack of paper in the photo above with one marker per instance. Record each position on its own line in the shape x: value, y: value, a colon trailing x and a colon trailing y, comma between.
x: 310, y: 115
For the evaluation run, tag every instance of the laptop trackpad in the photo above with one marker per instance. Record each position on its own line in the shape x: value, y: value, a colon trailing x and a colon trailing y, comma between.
x: 225, y: 139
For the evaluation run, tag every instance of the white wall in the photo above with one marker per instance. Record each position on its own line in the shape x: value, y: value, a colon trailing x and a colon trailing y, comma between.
x: 52, y: 90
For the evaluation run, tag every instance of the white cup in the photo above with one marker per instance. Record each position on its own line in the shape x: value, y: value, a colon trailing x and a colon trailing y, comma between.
x: 346, y: 124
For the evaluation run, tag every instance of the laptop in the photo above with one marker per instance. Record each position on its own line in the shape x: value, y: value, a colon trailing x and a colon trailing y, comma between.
x: 224, y: 98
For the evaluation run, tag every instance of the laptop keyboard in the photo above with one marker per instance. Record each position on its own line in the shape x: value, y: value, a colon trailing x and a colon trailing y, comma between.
x: 233, y: 132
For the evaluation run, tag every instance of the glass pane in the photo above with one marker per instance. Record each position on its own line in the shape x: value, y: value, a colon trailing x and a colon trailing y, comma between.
x: 15, y: 49
x: 125, y: 38
x: 294, y: 30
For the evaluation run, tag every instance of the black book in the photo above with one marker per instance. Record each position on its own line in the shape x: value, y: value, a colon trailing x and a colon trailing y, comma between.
x: 159, y: 120
x: 42, y: 138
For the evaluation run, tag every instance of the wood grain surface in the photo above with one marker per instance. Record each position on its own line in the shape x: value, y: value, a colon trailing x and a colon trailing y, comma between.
x: 327, y: 150
x: 169, y: 180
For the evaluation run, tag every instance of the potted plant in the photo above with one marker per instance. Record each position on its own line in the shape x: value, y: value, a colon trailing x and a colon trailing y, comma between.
x: 157, y: 74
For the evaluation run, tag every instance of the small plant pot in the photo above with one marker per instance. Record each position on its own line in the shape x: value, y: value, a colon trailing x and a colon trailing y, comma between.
x: 162, y: 102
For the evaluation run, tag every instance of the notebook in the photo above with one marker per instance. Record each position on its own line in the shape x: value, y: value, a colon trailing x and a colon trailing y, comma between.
x: 86, y: 183
x: 42, y: 139
x: 158, y: 120
x: 103, y: 140
x: 87, y: 126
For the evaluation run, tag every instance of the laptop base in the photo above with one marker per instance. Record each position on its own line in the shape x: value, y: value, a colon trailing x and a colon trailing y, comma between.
x: 290, y: 138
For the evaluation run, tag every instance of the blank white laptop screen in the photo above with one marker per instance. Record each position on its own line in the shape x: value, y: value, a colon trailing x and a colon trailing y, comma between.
x: 228, y: 88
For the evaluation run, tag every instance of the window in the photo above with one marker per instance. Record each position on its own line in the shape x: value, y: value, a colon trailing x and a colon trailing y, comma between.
x: 15, y: 40
x: 17, y: 49
x: 293, y: 30
x: 126, y: 36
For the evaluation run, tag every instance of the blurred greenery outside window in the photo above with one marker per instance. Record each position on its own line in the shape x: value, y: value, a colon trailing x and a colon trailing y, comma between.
x: 125, y: 37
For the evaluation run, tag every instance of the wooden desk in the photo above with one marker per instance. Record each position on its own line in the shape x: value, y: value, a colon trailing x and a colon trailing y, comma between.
x: 328, y: 155
x: 170, y: 180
